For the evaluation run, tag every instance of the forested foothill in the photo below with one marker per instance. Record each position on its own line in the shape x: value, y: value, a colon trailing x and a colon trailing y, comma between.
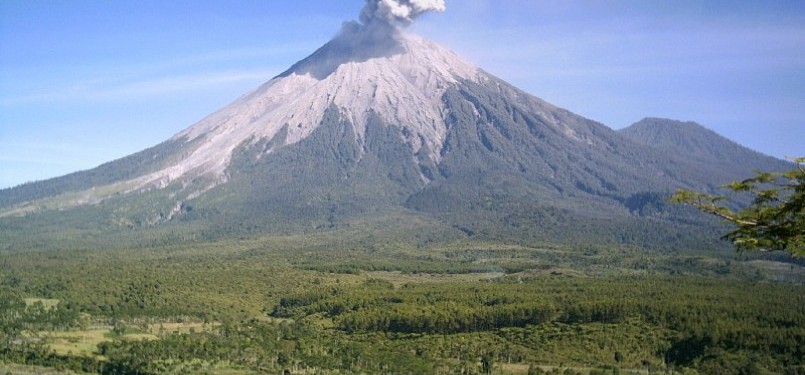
x: 370, y: 304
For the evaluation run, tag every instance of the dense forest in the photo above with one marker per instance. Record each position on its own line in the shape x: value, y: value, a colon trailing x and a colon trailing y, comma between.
x: 283, y: 305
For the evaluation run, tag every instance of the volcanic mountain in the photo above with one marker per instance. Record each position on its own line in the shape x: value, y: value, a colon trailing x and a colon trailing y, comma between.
x: 394, y: 129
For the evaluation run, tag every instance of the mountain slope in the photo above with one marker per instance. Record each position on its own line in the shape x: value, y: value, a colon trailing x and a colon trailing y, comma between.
x: 700, y: 144
x: 371, y: 127
x: 129, y: 167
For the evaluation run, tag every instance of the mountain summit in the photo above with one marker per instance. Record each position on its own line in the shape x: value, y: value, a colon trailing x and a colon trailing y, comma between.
x: 401, y: 83
x: 381, y: 125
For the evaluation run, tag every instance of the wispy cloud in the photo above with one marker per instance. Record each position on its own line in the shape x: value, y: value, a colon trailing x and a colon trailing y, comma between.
x: 122, y: 80
x: 277, y: 53
x: 100, y: 90
x: 41, y: 152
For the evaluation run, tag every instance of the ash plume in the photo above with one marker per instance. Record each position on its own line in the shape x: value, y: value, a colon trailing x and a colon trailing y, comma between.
x: 382, y: 19
x: 375, y: 35
x: 398, y: 12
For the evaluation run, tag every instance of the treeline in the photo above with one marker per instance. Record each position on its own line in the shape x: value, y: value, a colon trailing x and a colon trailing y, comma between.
x: 17, y: 316
x: 446, y: 318
x: 702, y: 316
x: 421, y: 323
x: 656, y: 324
x: 422, y: 266
x: 461, y: 307
x: 254, y: 346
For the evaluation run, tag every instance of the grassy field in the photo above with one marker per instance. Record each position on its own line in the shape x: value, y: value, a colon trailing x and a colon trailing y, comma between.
x: 85, y: 342
x: 163, y: 328
x: 47, y: 303
x: 79, y: 343
x: 15, y: 369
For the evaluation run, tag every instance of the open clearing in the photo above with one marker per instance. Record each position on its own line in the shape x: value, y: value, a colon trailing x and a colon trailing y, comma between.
x: 47, y: 303
x: 186, y: 327
x: 85, y: 343
x: 30, y: 370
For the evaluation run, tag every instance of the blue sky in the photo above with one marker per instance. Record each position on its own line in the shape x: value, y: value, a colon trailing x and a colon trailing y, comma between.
x: 83, y: 82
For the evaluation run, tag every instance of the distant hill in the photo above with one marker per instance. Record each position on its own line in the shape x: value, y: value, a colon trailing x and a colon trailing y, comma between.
x: 698, y: 143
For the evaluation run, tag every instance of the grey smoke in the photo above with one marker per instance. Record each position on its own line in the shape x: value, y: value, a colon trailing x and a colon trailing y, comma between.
x: 398, y: 12
x: 374, y: 36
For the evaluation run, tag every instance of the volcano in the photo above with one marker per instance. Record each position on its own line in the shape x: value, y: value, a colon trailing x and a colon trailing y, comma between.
x: 381, y: 126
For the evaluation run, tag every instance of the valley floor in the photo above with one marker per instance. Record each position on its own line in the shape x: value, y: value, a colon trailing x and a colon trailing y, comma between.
x: 295, y: 305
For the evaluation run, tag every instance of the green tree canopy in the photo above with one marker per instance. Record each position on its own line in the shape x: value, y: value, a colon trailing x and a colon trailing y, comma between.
x: 776, y: 218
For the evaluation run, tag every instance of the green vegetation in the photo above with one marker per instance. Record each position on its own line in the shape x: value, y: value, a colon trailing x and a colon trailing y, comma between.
x: 506, y: 174
x: 539, y: 242
x: 776, y: 218
x: 347, y: 303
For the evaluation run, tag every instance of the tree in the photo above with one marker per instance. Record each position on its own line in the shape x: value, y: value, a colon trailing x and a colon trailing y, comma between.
x: 486, y: 363
x: 776, y: 218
